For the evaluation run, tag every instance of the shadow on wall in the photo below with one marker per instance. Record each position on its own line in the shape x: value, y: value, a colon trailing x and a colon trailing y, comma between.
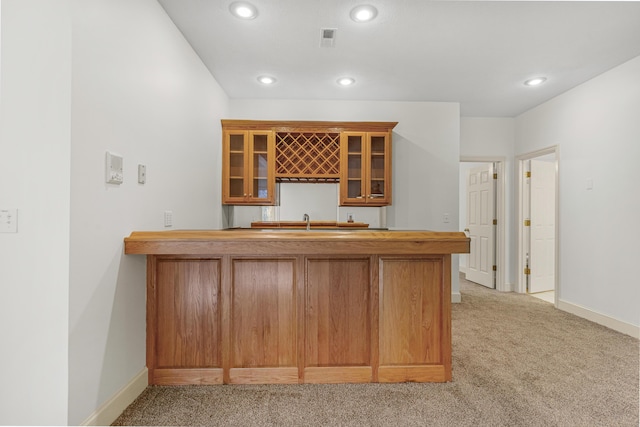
x: 118, y: 351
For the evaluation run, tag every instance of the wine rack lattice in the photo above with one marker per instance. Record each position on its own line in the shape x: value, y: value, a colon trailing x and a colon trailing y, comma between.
x: 308, y: 156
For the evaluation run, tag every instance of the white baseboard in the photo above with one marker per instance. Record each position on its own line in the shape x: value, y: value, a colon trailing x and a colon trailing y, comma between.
x: 110, y: 410
x: 456, y: 297
x: 462, y: 269
x: 601, y: 319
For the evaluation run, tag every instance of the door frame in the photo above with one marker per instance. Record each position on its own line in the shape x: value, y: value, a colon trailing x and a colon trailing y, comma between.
x: 501, y: 260
x: 521, y: 281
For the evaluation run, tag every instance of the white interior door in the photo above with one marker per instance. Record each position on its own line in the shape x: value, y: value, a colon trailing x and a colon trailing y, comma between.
x: 543, y: 227
x: 480, y: 215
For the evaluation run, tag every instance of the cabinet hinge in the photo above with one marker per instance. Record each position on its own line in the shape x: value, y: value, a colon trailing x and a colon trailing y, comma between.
x: 495, y: 176
x: 527, y: 271
x: 527, y: 174
x: 495, y: 222
x: 495, y: 268
x: 527, y: 223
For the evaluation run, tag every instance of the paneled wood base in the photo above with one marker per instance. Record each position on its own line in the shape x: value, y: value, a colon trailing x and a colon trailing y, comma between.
x: 418, y: 374
x: 263, y: 376
x: 360, y: 374
x: 186, y: 376
x: 302, y: 315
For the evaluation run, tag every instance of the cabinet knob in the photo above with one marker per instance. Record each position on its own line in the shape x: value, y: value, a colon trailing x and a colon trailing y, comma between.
x: 245, y: 194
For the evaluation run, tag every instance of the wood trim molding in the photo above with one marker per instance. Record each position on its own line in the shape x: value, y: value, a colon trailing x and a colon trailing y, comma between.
x: 310, y: 126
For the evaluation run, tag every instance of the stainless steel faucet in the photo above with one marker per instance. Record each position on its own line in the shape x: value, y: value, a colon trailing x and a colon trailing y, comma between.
x: 305, y: 217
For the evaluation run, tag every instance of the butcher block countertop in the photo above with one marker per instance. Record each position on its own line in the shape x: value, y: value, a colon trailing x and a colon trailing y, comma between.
x: 319, y: 241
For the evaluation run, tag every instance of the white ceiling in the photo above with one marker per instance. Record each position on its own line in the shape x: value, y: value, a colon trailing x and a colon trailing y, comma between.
x: 476, y: 53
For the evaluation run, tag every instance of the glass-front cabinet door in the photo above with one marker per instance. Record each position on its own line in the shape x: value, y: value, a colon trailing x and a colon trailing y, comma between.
x: 235, y: 156
x: 354, y: 160
x: 262, y: 166
x: 366, y: 169
x: 248, y: 168
x: 378, y: 165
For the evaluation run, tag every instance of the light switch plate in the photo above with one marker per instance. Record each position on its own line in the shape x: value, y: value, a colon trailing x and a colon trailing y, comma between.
x: 114, y: 169
x: 8, y: 220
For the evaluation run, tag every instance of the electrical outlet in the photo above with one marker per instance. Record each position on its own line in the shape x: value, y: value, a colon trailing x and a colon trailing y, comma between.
x: 445, y: 218
x: 168, y: 218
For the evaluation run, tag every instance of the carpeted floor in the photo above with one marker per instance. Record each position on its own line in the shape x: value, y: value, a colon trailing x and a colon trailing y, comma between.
x: 517, y: 361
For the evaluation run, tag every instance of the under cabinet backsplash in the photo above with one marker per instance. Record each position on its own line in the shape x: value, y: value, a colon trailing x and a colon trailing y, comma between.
x: 319, y: 201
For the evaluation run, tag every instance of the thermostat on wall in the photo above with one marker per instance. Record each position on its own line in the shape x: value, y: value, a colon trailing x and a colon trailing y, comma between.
x: 114, y: 168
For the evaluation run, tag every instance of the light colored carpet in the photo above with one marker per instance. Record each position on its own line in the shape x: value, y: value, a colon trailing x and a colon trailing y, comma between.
x: 517, y: 361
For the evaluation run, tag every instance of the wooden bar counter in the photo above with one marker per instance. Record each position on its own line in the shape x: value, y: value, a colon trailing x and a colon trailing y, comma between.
x: 256, y: 306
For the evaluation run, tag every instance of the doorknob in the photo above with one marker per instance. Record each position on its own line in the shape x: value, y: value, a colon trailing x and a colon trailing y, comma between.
x: 466, y: 230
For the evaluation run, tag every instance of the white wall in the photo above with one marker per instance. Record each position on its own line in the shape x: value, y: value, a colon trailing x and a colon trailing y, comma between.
x: 80, y: 78
x: 138, y: 90
x: 597, y: 129
x: 319, y: 201
x: 494, y: 137
x: 426, y: 153
x: 34, y: 177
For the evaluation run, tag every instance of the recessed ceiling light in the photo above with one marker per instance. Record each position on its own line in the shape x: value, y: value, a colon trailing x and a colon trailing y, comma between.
x: 346, y: 81
x: 363, y: 13
x: 535, y: 81
x: 243, y: 10
x: 267, y: 80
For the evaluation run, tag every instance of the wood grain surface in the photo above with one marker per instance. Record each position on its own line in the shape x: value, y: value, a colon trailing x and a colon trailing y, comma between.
x: 410, y: 311
x: 338, y: 312
x: 307, y: 126
x: 376, y: 309
x: 263, y: 313
x: 188, y: 307
x: 258, y: 242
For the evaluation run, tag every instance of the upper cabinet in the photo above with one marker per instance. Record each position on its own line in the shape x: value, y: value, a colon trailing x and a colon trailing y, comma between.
x: 248, y: 168
x: 365, y: 178
x: 257, y: 154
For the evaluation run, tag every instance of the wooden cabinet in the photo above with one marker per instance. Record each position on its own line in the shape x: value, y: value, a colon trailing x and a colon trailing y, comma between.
x: 248, y: 307
x: 340, y: 309
x: 248, y: 165
x: 365, y: 178
x: 257, y: 154
x: 263, y: 321
x: 184, y: 322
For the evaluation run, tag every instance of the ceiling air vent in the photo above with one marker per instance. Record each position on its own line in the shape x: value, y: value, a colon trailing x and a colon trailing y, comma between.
x: 328, y: 37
